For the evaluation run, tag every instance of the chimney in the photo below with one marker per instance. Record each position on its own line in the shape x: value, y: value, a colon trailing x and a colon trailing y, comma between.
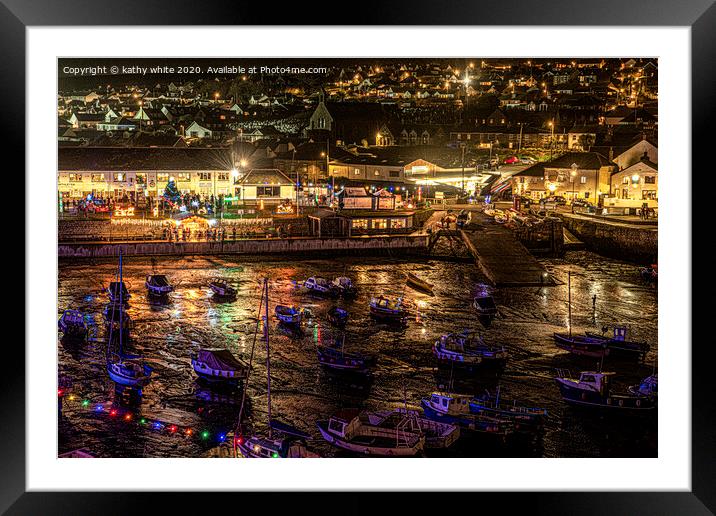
x: 611, y: 153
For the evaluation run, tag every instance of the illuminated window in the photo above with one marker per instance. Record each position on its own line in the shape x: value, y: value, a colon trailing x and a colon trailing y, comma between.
x: 359, y: 223
x: 356, y: 171
x: 98, y: 177
x: 183, y: 176
x: 397, y: 223
x: 377, y: 172
x: 141, y: 179
x: 583, y: 180
x: 204, y: 176
x: 162, y: 176
x: 119, y: 177
x: 222, y: 176
x: 650, y: 180
x: 75, y: 178
x: 380, y: 223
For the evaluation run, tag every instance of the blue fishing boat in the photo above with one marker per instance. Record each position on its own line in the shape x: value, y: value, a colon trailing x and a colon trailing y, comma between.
x: 618, y: 346
x: 222, y: 289
x: 468, y: 350
x: 647, y: 387
x: 72, y: 324
x: 525, y: 418
x: 455, y: 409
x: 593, y: 390
x: 338, y: 316
x: 288, y: 314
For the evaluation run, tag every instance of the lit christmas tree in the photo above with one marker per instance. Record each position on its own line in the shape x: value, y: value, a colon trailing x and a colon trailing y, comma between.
x: 171, y: 193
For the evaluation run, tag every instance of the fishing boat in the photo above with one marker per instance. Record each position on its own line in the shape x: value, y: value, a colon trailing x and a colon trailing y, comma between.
x: 121, y: 368
x: 219, y: 365
x: 158, y: 285
x: 383, y: 308
x: 354, y: 431
x: 619, y: 346
x: 222, y: 288
x: 288, y: 443
x: 117, y: 290
x: 523, y: 417
x: 455, y: 410
x: 345, y: 286
x: 419, y: 284
x: 338, y: 316
x: 438, y: 435
x: 339, y: 360
x: 582, y: 345
x: 288, y: 314
x: 319, y: 286
x: 72, y: 324
x: 467, y: 349
x: 282, y: 441
x: 593, y: 390
x: 485, y: 305
x: 647, y: 387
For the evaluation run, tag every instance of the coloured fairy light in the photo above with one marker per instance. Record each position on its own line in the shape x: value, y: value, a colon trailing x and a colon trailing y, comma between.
x: 128, y: 417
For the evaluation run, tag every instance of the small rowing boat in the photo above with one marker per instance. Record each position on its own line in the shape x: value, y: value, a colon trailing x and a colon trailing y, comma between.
x: 419, y: 284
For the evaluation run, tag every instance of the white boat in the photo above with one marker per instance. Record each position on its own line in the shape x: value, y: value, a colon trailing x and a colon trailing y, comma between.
x: 219, y: 365
x: 384, y: 308
x: 222, y: 288
x: 353, y: 431
x: 437, y: 434
x: 319, y: 286
x: 288, y: 314
x: 345, y: 286
x: 158, y: 285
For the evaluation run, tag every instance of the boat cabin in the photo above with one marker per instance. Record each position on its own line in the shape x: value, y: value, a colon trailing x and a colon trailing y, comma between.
x: 450, y: 403
x: 591, y: 381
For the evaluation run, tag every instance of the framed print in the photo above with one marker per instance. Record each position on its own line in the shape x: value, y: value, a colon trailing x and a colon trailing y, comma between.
x: 331, y: 244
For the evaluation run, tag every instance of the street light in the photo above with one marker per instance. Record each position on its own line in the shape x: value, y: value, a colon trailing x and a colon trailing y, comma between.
x: 551, y: 139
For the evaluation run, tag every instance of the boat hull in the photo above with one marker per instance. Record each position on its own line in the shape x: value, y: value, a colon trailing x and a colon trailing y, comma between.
x: 604, y: 401
x: 582, y: 346
x: 366, y: 449
x: 471, y: 422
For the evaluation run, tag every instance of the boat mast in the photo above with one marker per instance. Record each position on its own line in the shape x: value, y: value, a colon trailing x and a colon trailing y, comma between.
x: 569, y: 299
x: 268, y: 355
x: 121, y: 306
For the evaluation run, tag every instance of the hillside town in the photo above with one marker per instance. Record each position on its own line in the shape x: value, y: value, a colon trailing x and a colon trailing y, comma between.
x: 582, y: 131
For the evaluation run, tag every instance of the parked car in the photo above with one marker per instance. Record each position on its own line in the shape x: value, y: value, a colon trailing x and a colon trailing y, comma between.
x: 553, y: 199
x: 527, y: 161
x: 511, y: 160
x: 582, y: 203
x: 524, y: 201
x: 98, y: 206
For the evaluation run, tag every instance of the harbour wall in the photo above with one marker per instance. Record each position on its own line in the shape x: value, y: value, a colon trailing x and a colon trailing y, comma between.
x: 389, y: 245
x: 635, y: 243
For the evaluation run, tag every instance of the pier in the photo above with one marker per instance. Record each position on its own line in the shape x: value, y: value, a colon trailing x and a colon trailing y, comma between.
x: 502, y: 258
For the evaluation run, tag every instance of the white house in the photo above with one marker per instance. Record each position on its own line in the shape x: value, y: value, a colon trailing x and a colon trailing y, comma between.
x: 197, y: 131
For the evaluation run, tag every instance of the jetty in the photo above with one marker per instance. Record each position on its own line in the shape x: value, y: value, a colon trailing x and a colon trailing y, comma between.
x: 502, y: 258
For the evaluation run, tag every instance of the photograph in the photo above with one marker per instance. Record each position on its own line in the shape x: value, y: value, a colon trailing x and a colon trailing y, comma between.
x: 349, y: 257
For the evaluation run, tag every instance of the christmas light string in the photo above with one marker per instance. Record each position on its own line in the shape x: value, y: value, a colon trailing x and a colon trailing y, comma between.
x: 130, y: 417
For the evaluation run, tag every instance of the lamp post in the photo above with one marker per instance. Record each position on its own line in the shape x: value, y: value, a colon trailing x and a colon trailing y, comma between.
x: 635, y: 182
x: 551, y: 139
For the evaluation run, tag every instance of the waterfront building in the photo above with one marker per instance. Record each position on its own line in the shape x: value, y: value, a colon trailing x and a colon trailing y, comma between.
x: 639, y: 181
x: 116, y: 172
x: 263, y: 186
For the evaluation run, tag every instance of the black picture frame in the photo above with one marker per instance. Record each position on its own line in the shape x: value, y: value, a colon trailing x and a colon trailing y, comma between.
x: 699, y: 15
